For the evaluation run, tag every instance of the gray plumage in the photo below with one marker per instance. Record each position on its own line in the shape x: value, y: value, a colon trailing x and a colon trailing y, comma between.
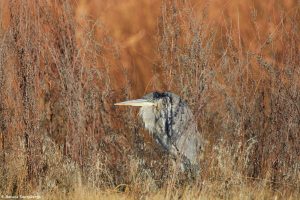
x: 171, y: 122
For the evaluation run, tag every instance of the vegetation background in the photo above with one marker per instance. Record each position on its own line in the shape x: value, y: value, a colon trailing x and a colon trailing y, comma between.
x: 64, y: 63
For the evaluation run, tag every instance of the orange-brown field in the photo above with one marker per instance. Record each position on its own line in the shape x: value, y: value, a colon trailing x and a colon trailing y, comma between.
x: 63, y: 64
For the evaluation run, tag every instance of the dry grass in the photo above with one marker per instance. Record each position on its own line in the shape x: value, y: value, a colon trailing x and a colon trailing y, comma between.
x: 63, y: 64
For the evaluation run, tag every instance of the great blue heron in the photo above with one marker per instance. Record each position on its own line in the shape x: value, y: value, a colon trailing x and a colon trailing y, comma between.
x: 173, y: 126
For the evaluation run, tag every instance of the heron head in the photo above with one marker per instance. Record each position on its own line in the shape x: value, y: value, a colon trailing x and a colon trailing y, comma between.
x: 151, y: 107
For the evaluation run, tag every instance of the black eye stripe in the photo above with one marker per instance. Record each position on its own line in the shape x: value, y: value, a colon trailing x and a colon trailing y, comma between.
x: 154, y: 96
x: 158, y: 95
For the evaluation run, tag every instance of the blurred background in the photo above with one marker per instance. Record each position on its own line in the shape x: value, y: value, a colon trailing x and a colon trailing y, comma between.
x: 133, y: 25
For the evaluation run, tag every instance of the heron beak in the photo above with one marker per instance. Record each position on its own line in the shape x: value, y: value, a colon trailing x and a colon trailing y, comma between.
x: 136, y: 102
